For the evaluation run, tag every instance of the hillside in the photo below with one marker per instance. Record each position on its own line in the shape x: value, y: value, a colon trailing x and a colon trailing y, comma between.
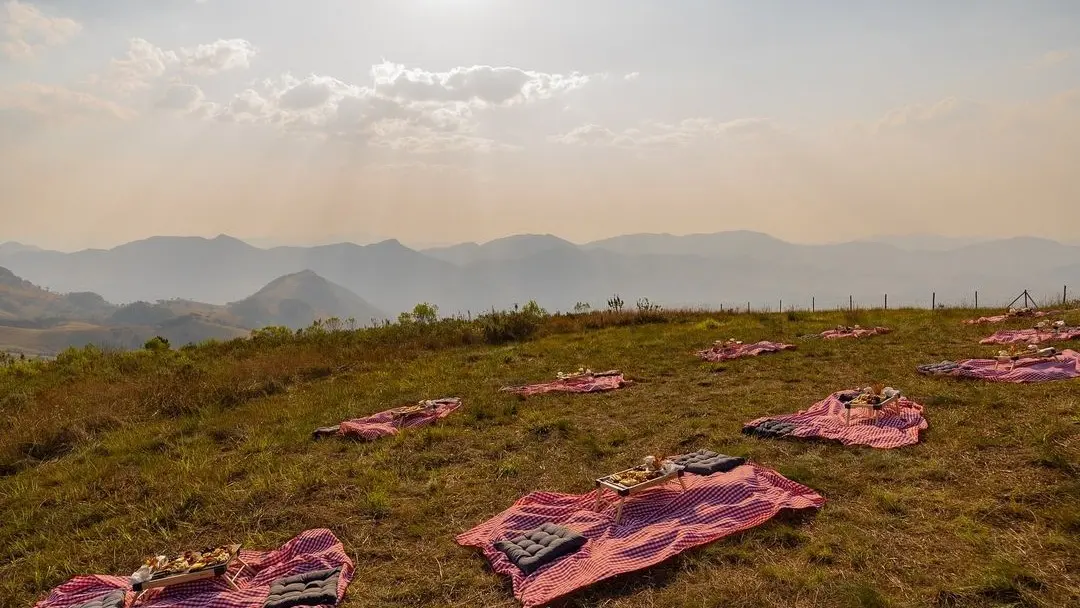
x: 298, y: 299
x: 39, y: 322
x: 22, y: 300
x: 726, y: 268
x: 213, y: 445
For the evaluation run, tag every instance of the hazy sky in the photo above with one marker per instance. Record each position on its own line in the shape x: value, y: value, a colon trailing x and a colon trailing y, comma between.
x: 452, y: 120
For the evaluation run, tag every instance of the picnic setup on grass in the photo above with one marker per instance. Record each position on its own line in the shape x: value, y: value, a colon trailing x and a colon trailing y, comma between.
x: 311, y: 569
x: 551, y: 544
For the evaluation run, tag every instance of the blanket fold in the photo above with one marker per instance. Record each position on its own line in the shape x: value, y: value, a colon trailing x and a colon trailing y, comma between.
x: 1032, y: 336
x: 587, y: 382
x: 853, y: 332
x: 726, y: 350
x: 1065, y: 366
x: 657, y: 524
x: 316, y: 549
x: 896, y: 426
x: 389, y: 422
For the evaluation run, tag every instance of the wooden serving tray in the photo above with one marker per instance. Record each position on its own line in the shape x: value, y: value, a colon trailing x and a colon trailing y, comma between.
x: 849, y: 405
x: 189, y: 576
x: 610, y: 483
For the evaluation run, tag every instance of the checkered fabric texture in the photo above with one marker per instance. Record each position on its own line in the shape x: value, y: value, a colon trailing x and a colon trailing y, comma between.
x: 1005, y: 317
x: 726, y: 352
x: 657, y: 524
x: 1031, y: 336
x: 896, y: 426
x: 1026, y: 370
x: 383, y: 424
x: 833, y: 334
x: 316, y: 549
x: 586, y: 383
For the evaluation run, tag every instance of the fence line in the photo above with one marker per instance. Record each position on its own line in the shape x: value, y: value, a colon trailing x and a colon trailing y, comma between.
x: 1025, y: 299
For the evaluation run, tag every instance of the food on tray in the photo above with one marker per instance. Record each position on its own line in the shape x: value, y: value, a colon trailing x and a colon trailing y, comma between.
x: 874, y: 395
x: 635, y: 476
x: 408, y: 410
x: 189, y: 561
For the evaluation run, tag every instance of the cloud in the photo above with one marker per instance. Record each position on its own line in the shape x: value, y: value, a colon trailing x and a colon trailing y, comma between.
x: 144, y: 62
x: 948, y: 111
x: 25, y: 30
x: 57, y: 104
x: 181, y: 97
x: 400, y: 109
x: 1050, y: 59
x: 482, y: 84
x: 219, y: 56
x: 657, y: 134
x: 632, y: 76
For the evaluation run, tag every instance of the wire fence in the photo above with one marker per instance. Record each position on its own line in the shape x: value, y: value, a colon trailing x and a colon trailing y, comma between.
x: 933, y: 301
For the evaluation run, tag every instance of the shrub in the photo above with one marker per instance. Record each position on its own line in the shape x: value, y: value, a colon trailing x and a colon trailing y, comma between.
x: 156, y: 344
x: 500, y: 327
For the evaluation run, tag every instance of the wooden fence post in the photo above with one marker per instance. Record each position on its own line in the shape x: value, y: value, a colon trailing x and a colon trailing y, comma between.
x: 1064, y: 294
x: 851, y: 302
x: 812, y: 304
x: 933, y: 301
x: 748, y: 308
x: 976, y: 298
x: 886, y: 301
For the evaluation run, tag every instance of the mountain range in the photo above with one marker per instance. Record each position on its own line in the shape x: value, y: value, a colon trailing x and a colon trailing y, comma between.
x: 41, y: 322
x: 710, y: 270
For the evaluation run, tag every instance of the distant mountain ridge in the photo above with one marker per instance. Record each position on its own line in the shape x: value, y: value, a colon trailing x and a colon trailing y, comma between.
x: 39, y: 321
x: 726, y: 268
x: 298, y: 299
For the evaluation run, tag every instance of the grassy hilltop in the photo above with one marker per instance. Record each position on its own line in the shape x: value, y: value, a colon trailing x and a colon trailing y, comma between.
x: 108, y: 457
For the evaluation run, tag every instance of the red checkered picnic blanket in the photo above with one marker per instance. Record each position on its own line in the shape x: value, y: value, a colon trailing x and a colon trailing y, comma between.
x: 861, y: 332
x: 316, y: 549
x: 726, y: 351
x: 385, y: 423
x: 895, y: 426
x: 656, y: 524
x: 1031, y: 336
x: 1005, y: 317
x: 584, y: 383
x: 1026, y: 370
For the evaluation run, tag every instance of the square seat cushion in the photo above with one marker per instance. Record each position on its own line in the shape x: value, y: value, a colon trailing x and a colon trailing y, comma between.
x: 540, y: 546
x: 707, y: 462
x: 770, y: 428
x: 113, y: 599
x: 315, y: 588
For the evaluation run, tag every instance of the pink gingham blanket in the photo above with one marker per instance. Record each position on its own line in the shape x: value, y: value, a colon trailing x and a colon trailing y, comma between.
x: 1005, y: 317
x: 858, y: 332
x: 726, y: 351
x: 585, y: 383
x: 316, y: 549
x: 1031, y: 336
x: 896, y: 426
x: 1026, y: 370
x: 656, y: 524
x: 383, y: 424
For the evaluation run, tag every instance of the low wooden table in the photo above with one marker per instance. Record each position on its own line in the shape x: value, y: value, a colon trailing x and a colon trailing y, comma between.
x: 1012, y: 359
x: 603, y: 484
x: 873, y: 407
x: 187, y: 577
